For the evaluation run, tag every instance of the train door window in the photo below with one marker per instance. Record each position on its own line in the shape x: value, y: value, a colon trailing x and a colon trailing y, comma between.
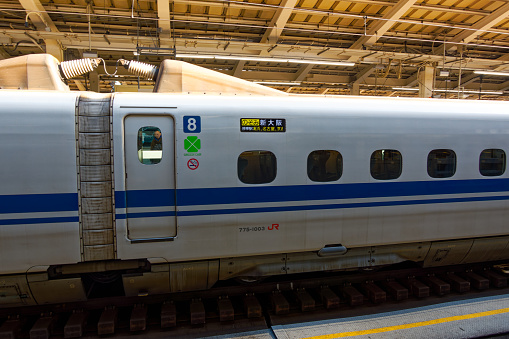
x: 492, y: 162
x: 386, y: 164
x: 325, y: 165
x: 256, y: 167
x: 150, y: 145
x: 441, y: 163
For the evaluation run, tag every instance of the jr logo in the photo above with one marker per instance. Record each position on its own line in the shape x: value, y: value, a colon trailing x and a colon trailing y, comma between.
x: 274, y: 227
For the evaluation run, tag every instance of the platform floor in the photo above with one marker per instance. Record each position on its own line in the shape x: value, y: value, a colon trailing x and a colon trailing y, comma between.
x: 473, y: 318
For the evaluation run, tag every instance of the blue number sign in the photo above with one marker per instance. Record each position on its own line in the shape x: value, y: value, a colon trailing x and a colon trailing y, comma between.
x: 192, y: 124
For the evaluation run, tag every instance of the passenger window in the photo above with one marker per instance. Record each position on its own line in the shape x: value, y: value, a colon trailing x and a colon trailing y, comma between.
x: 325, y: 165
x: 492, y: 162
x: 256, y: 167
x: 386, y: 164
x: 150, y: 145
x: 441, y: 163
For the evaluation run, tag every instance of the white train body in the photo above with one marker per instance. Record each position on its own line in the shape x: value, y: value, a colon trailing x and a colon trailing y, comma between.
x: 188, y: 220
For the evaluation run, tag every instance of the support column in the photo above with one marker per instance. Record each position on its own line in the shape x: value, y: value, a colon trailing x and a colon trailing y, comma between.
x: 355, y: 90
x: 94, y: 81
x: 426, y: 82
x: 53, y: 48
x: 164, y: 23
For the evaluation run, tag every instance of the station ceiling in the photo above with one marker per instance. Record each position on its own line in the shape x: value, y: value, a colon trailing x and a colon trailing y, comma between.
x: 298, y: 46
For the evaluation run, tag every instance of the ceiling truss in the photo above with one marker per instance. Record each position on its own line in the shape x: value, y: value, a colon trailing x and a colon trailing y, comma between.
x: 390, y: 41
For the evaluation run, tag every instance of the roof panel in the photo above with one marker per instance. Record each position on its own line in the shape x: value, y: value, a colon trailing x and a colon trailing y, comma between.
x: 316, y: 29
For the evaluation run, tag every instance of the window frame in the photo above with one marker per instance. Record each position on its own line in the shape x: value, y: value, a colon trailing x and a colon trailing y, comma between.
x: 385, y: 173
x: 322, y: 168
x: 481, y: 159
x: 142, y: 149
x: 271, y: 170
x: 443, y: 150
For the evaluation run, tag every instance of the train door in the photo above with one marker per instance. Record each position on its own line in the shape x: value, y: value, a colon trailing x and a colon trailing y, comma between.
x: 150, y: 177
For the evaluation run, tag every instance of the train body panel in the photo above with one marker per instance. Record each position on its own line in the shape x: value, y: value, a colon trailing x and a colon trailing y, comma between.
x: 357, y: 210
x: 38, y: 191
x: 240, y: 186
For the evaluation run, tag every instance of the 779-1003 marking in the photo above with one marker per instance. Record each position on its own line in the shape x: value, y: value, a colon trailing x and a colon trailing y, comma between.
x: 259, y: 228
x: 252, y: 229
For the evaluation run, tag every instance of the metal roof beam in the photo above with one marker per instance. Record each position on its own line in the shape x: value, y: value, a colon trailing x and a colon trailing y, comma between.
x: 485, y: 23
x: 4, y: 54
x: 363, y: 74
x: 412, y: 81
x: 504, y: 86
x: 468, y: 79
x: 303, y: 71
x: 278, y: 21
x: 237, y: 70
x: 80, y: 85
x: 164, y: 23
x: 42, y: 21
x: 424, y: 6
x: 477, y: 29
x: 380, y: 27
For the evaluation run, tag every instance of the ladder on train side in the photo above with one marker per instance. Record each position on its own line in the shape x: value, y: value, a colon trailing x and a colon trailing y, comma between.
x: 95, y: 176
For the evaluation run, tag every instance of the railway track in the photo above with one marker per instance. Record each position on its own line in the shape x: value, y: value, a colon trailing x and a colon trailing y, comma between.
x: 236, y: 308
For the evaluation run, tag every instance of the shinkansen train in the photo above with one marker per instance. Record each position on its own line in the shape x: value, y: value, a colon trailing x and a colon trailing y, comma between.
x: 212, y: 178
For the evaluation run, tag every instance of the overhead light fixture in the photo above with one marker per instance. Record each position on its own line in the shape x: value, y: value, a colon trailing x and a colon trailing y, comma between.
x: 242, y: 58
x: 89, y: 54
x: 405, y: 89
x: 317, y: 62
x: 504, y: 74
x: 449, y: 90
x: 277, y: 83
x: 469, y: 91
x: 473, y: 92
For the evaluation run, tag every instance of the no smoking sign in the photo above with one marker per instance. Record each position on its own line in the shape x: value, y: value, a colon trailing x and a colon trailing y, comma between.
x: 193, y: 164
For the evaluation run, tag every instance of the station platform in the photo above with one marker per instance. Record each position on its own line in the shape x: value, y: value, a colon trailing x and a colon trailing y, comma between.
x: 481, y: 317
x: 473, y: 318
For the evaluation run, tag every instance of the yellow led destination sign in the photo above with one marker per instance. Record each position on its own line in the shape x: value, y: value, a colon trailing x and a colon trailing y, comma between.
x: 262, y: 125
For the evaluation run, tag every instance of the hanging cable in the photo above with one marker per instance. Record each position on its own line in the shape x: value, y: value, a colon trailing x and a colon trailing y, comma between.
x: 106, y: 71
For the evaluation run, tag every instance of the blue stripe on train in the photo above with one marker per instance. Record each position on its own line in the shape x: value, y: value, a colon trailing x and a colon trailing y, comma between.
x: 145, y: 198
x: 145, y: 215
x: 260, y: 194
x: 311, y: 207
x: 263, y: 194
x: 32, y: 203
x: 336, y: 206
x: 29, y: 221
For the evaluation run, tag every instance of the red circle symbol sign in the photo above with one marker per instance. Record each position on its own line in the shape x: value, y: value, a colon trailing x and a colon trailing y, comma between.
x: 193, y: 164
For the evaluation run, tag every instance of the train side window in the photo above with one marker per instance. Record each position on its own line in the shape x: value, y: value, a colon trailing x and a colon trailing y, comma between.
x: 325, y: 165
x: 386, y: 164
x: 441, y: 163
x: 256, y: 167
x: 150, y: 145
x: 492, y: 162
